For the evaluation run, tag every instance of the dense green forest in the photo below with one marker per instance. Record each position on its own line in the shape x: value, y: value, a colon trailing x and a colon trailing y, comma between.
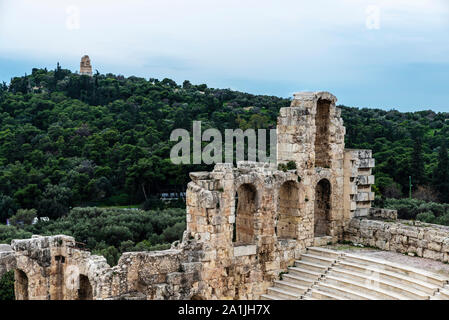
x: 68, y: 140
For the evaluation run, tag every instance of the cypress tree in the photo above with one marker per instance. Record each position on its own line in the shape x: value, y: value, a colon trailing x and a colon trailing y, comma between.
x: 417, y: 163
x: 441, y: 174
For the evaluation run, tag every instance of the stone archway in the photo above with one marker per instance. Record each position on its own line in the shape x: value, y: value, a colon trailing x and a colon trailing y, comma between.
x: 245, y: 212
x: 322, y: 123
x: 289, y: 212
x: 21, y: 285
x: 85, y: 288
x: 322, y: 208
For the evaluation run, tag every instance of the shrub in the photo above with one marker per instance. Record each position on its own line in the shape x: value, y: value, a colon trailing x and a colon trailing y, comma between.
x: 414, y: 209
x: 23, y: 217
x: 7, y: 286
x: 8, y: 233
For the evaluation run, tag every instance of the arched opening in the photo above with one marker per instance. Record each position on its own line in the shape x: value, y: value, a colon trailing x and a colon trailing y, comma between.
x: 322, y: 208
x: 287, y: 225
x: 57, y: 293
x: 21, y: 285
x: 245, y: 203
x: 85, y: 289
x: 322, y: 122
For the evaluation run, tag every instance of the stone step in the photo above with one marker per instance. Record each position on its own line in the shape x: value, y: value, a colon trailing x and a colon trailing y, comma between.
x: 429, y: 288
x: 290, y: 287
x: 319, y: 260
x: 330, y: 275
x: 299, y: 280
x: 304, y: 273
x: 310, y: 266
x: 322, y: 241
x: 317, y: 251
x: 444, y: 294
x: 439, y: 296
x: 269, y: 297
x: 321, y: 295
x: 377, y: 293
x: 376, y: 281
x: 283, y: 294
x: 344, y: 293
x: 415, y: 273
x: 436, y: 297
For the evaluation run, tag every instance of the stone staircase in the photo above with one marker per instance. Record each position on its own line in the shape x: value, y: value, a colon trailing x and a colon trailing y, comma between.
x: 322, y: 274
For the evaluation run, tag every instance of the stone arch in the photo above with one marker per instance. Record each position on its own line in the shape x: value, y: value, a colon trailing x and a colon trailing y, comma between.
x: 289, y: 210
x: 245, y: 212
x: 322, y: 208
x: 322, y: 139
x: 21, y: 285
x: 85, y: 289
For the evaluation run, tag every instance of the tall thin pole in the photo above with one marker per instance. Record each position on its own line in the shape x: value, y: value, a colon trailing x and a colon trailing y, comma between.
x: 410, y: 183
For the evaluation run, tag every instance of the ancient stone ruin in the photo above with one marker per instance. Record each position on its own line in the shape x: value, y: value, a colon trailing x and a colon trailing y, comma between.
x: 245, y: 224
x: 85, y: 66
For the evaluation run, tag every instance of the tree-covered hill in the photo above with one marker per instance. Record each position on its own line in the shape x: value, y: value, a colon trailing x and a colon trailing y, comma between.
x: 68, y: 140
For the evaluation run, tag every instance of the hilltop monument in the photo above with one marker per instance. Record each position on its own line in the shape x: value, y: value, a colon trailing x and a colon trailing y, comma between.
x: 85, y: 66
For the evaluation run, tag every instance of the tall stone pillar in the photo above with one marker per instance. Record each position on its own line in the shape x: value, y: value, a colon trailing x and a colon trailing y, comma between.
x: 85, y: 66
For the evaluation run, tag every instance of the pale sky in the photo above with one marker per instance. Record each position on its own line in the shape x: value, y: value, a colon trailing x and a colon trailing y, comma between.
x: 377, y: 53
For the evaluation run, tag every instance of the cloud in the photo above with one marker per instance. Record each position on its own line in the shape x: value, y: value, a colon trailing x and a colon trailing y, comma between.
x: 306, y: 43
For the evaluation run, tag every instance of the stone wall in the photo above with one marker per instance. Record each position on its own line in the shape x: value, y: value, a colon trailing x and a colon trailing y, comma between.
x: 311, y: 133
x: 358, y: 179
x: 54, y: 268
x: 385, y: 214
x: 409, y: 237
x: 7, y: 259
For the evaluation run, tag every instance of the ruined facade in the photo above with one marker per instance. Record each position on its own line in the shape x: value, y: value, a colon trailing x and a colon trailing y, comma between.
x: 85, y: 66
x: 245, y: 224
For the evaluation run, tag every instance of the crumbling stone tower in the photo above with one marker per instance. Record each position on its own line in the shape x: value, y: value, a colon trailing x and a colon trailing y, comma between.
x: 255, y: 219
x: 85, y: 66
x: 311, y: 133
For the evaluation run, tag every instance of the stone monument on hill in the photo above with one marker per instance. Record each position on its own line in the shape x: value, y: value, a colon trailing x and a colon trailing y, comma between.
x: 85, y: 66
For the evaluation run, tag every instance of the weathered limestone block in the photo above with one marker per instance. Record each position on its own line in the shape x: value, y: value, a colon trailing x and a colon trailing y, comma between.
x: 7, y: 259
x: 386, y: 214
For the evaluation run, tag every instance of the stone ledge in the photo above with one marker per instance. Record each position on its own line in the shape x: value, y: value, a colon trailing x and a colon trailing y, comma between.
x: 245, y: 250
x: 378, y: 213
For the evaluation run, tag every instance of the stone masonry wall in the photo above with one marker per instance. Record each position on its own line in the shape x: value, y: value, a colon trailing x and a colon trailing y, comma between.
x: 311, y: 133
x: 413, y: 238
x: 53, y: 267
x: 7, y: 259
x: 244, y: 270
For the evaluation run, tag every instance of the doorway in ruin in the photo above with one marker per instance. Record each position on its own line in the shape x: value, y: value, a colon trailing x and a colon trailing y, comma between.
x: 85, y: 289
x: 322, y: 208
x: 245, y: 211
x: 21, y: 285
x: 287, y: 224
x: 322, y: 122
